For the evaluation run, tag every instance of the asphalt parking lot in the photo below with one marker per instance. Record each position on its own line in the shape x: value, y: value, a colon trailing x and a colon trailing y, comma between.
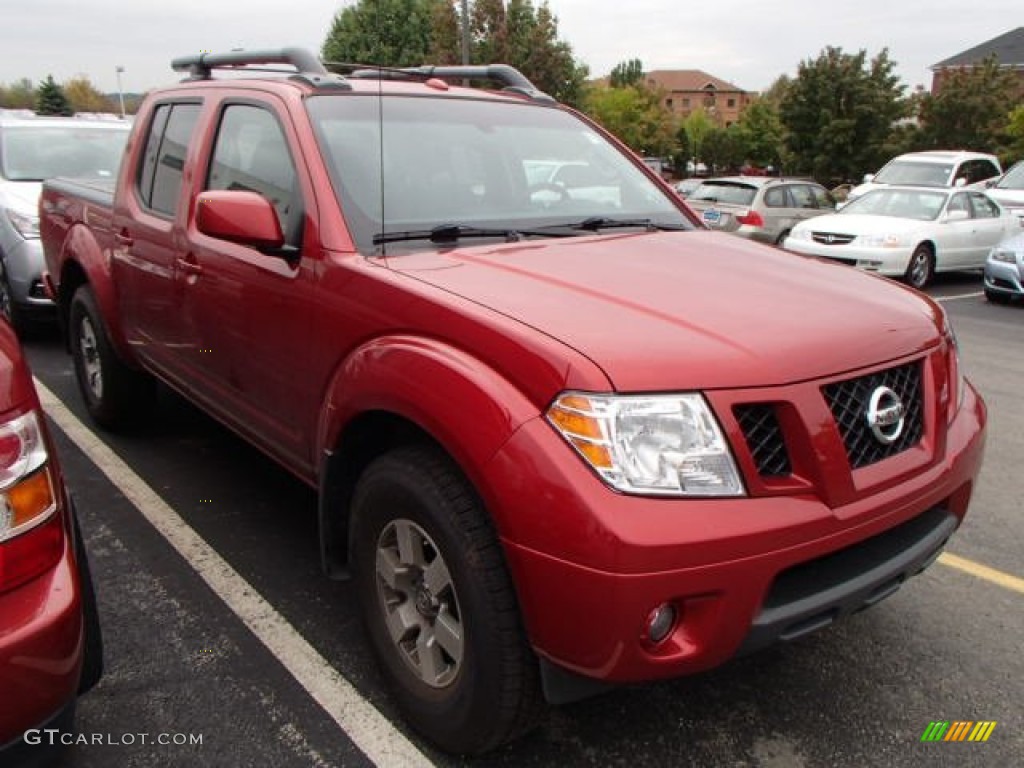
x: 225, y: 646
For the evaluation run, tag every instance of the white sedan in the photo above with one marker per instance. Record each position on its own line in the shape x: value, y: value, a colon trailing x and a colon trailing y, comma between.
x: 908, y: 232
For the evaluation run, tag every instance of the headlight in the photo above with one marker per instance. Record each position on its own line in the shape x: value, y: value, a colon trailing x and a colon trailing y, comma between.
x: 26, y: 224
x: 879, y: 241
x: 956, y: 372
x: 800, y: 234
x: 1000, y: 254
x: 662, y: 444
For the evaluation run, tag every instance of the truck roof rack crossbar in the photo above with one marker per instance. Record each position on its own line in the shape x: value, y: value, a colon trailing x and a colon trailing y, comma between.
x: 200, y: 66
x: 509, y: 77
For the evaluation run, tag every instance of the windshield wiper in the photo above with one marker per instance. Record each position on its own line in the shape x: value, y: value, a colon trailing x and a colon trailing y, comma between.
x: 450, y: 233
x: 595, y: 223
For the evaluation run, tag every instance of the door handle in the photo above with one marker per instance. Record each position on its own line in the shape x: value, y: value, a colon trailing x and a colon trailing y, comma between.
x: 189, y: 267
x: 122, y: 238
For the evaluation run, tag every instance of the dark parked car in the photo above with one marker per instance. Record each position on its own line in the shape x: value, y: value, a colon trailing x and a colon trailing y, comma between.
x: 50, y: 645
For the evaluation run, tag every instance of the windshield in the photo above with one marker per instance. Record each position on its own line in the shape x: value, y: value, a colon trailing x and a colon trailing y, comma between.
x: 915, y: 173
x: 36, y: 153
x: 897, y: 203
x: 477, y: 163
x: 724, y: 192
x: 1014, y: 178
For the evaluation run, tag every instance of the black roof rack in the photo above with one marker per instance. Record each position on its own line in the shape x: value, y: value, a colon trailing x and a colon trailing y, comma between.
x: 509, y: 77
x: 308, y: 68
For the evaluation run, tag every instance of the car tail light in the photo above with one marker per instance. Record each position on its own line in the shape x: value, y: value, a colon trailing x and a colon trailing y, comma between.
x: 31, y: 536
x: 750, y: 219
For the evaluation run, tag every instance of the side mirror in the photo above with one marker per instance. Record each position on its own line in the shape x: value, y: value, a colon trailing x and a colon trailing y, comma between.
x: 869, y: 177
x: 960, y: 182
x: 957, y: 216
x: 242, y: 217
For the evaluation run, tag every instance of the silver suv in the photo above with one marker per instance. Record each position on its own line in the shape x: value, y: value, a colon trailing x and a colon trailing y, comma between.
x: 759, y: 207
x: 33, y: 149
x: 934, y: 168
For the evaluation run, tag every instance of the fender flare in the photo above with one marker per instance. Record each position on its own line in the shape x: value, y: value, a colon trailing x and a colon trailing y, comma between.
x: 468, y: 408
x: 81, y: 249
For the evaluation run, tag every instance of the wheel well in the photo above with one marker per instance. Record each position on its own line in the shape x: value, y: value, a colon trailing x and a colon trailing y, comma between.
x: 72, y: 276
x: 367, y: 437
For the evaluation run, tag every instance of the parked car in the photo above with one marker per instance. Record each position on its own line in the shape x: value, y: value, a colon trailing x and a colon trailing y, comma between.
x: 50, y: 645
x: 908, y: 232
x: 759, y: 207
x: 560, y: 442
x: 1004, y: 270
x: 934, y: 168
x: 33, y: 149
x: 1008, y: 190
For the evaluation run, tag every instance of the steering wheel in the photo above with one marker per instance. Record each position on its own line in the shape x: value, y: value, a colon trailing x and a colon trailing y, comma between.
x: 548, y: 186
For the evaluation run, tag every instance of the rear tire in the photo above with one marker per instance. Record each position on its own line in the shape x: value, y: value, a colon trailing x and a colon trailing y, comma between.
x: 921, y: 268
x: 114, y: 394
x: 439, y: 605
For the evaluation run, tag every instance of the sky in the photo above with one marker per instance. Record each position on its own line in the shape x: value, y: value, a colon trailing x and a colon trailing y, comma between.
x: 749, y: 43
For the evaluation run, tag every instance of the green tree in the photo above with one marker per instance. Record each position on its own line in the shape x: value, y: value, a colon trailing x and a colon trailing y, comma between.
x: 696, y: 127
x: 760, y: 134
x: 84, y: 97
x: 627, y: 73
x: 723, y: 149
x: 635, y: 115
x: 399, y: 33
x: 51, y: 99
x: 391, y: 33
x: 838, y: 113
x: 19, y: 95
x: 1014, y: 148
x: 969, y: 111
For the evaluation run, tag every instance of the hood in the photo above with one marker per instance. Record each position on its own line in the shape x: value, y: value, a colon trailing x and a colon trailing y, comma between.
x: 688, y: 310
x: 21, y: 196
x: 862, y: 224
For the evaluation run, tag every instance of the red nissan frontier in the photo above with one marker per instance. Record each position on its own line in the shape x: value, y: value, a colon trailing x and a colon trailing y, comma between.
x: 563, y: 436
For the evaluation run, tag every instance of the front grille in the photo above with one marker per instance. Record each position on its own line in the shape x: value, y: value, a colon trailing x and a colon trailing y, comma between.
x: 761, y: 429
x: 832, y: 238
x: 849, y: 401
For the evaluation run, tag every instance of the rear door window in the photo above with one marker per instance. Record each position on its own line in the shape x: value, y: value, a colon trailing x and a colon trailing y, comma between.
x: 163, y: 165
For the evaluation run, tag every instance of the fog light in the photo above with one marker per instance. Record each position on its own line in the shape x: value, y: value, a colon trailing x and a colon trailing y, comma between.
x: 660, y: 622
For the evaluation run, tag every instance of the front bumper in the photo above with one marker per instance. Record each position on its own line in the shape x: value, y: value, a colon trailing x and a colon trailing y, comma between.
x: 1005, y: 278
x: 891, y: 262
x: 590, y: 565
x: 24, y: 264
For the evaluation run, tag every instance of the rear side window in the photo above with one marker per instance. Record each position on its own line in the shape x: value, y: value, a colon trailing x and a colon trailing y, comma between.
x: 776, y: 198
x: 160, y: 176
x: 982, y: 207
x: 803, y: 196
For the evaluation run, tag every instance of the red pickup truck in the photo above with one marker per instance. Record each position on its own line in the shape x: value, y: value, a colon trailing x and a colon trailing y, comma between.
x: 563, y: 436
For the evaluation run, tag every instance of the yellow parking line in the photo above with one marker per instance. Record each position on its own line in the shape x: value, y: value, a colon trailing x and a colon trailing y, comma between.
x: 983, y: 572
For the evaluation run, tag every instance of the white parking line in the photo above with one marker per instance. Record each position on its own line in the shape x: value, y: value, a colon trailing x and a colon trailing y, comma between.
x: 361, y: 721
x: 958, y: 296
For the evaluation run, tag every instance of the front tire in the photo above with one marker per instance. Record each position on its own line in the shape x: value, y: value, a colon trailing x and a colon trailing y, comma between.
x: 114, y: 394
x: 439, y: 605
x: 921, y: 268
x: 996, y: 298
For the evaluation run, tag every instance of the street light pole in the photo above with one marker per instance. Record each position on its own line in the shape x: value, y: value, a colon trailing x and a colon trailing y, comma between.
x: 120, y: 91
x: 465, y: 32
